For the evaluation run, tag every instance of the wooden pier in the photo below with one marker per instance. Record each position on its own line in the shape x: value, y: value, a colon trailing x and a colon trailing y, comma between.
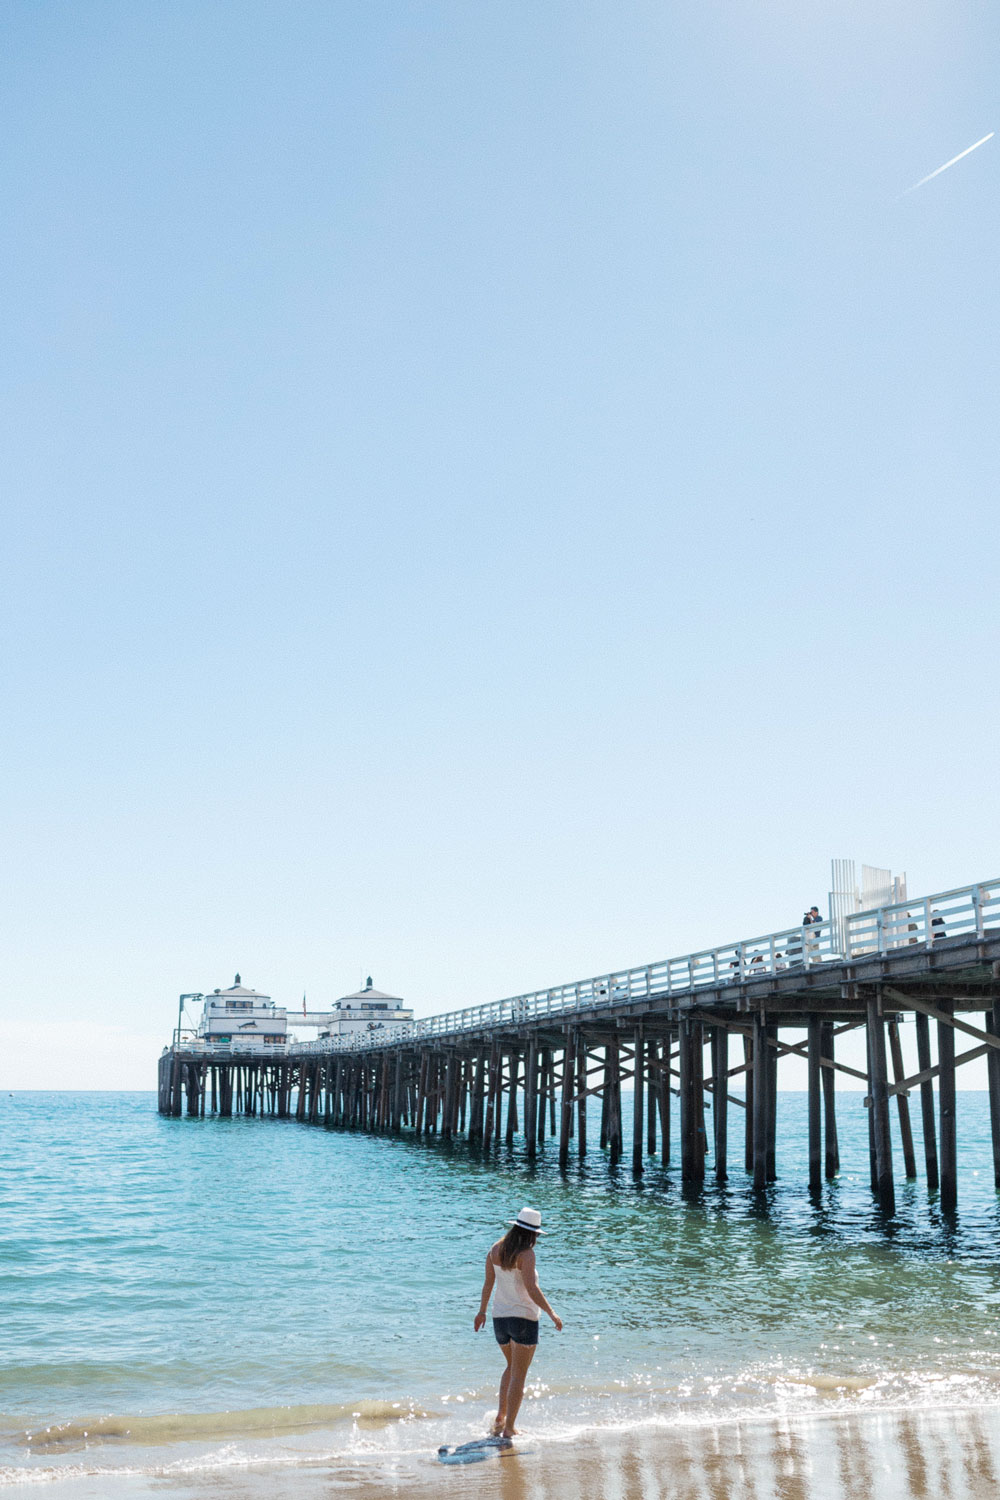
x: 711, y: 1028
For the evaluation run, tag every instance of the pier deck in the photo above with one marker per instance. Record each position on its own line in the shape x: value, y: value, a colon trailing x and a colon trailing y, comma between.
x: 529, y: 1066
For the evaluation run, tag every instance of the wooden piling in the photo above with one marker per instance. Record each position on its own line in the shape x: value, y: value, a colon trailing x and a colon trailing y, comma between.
x: 772, y: 1103
x: 663, y: 1101
x: 879, y: 1094
x: 993, y: 1079
x: 748, y: 1114
x: 872, y: 1149
x: 701, y: 1136
x: 605, y: 1105
x: 720, y: 1098
x: 815, y: 1104
x: 491, y: 1093
x: 652, y: 1078
x: 690, y: 1042
x: 946, y: 1107
x: 566, y: 1114
x: 638, y: 1100
x: 902, y: 1102
x: 581, y: 1096
x: 512, y: 1096
x: 531, y: 1099
x: 760, y: 1072
x: 831, y: 1152
x: 612, y: 1090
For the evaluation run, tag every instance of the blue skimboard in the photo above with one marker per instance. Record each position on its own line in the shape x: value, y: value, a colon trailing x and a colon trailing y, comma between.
x: 474, y: 1453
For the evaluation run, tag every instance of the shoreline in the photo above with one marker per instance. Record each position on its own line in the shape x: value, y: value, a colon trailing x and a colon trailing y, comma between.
x: 898, y: 1453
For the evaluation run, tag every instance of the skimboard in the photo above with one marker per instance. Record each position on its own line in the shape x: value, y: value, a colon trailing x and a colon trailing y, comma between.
x: 475, y: 1452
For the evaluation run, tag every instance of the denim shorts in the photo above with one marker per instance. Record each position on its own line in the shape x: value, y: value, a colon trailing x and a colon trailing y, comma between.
x: 521, y: 1330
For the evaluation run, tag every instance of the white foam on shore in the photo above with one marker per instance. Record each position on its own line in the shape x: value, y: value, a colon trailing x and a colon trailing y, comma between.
x: 374, y: 1435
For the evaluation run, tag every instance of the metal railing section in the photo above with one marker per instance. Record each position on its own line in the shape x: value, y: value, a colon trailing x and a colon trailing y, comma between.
x: 965, y: 912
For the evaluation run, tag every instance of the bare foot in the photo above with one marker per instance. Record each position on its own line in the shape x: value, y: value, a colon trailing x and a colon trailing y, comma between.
x: 510, y: 1434
x: 497, y: 1427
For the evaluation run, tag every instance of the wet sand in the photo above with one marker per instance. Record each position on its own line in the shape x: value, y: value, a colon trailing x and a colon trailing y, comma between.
x: 923, y: 1455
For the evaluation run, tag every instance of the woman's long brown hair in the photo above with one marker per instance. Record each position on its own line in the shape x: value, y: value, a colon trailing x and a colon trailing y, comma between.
x: 514, y: 1241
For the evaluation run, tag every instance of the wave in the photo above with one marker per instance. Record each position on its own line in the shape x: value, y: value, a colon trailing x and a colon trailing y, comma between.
x: 754, y: 1391
x: 215, y: 1426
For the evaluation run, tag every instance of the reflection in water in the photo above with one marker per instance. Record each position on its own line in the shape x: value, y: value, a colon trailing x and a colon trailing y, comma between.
x: 906, y: 1456
x: 947, y: 1456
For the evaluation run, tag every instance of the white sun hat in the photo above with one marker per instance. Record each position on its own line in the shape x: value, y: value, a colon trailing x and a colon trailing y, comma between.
x: 529, y: 1218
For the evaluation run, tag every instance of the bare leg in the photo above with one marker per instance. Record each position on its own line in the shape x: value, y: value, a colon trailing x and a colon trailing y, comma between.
x: 504, y: 1387
x: 520, y: 1358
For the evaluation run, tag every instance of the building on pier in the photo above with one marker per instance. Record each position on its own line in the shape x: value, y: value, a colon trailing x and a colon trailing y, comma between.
x: 368, y: 1012
x: 244, y: 1019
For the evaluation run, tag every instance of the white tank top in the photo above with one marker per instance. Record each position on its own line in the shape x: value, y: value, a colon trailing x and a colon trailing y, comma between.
x: 510, y: 1298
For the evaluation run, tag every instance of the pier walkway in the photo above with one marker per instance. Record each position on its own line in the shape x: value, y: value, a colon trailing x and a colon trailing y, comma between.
x: 528, y: 1066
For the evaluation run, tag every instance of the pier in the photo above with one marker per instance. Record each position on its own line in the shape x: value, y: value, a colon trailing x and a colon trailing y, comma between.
x: 710, y: 1027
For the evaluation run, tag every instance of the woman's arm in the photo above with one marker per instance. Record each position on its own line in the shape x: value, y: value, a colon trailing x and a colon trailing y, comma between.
x: 526, y: 1266
x: 490, y: 1277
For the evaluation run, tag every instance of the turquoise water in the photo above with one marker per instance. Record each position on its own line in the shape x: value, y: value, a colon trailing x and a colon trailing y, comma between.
x: 200, y: 1291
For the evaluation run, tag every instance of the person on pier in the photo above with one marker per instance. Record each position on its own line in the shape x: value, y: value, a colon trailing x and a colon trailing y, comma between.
x: 518, y: 1300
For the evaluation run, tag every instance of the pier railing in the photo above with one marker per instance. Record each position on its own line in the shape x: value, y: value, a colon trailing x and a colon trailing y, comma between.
x: 964, y: 912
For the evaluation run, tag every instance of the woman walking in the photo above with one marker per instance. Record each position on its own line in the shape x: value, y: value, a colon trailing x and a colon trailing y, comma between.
x: 511, y: 1275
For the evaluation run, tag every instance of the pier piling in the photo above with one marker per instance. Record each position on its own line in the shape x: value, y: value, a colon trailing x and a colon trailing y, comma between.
x: 946, y: 1106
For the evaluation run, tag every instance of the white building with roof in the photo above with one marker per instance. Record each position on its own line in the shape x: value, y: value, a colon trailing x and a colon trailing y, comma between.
x: 367, y: 1011
x: 243, y: 1018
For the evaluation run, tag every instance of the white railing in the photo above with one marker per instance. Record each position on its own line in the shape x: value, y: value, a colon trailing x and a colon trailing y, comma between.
x: 928, y: 921
x: 965, y: 912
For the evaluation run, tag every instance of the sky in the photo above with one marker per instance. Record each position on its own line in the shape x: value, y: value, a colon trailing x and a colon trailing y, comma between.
x: 490, y: 493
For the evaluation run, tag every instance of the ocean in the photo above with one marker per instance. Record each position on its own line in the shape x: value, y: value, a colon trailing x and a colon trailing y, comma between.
x: 192, y: 1305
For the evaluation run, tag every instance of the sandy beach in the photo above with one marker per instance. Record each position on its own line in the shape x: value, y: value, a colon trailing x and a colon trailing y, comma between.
x: 925, y: 1455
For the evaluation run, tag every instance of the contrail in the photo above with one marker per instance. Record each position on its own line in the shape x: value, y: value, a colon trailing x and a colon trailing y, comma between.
x: 937, y: 173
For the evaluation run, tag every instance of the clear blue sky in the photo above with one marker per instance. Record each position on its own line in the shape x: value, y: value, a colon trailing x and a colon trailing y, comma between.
x: 491, y: 492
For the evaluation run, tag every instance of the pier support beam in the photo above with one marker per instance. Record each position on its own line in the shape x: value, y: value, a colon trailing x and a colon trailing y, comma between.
x: 638, y: 1100
x: 946, y: 1105
x: 772, y: 1103
x: 879, y: 1092
x: 512, y: 1097
x: 993, y: 1078
x: 748, y: 1113
x: 613, y: 1101
x: 652, y: 1078
x: 902, y: 1102
x: 691, y: 1041
x: 759, y: 1079
x: 531, y: 1100
x: 831, y: 1155
x: 491, y: 1094
x: 815, y: 1045
x: 566, y: 1112
x: 923, y: 1026
x: 720, y: 1100
x: 581, y: 1092
x: 663, y: 1101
